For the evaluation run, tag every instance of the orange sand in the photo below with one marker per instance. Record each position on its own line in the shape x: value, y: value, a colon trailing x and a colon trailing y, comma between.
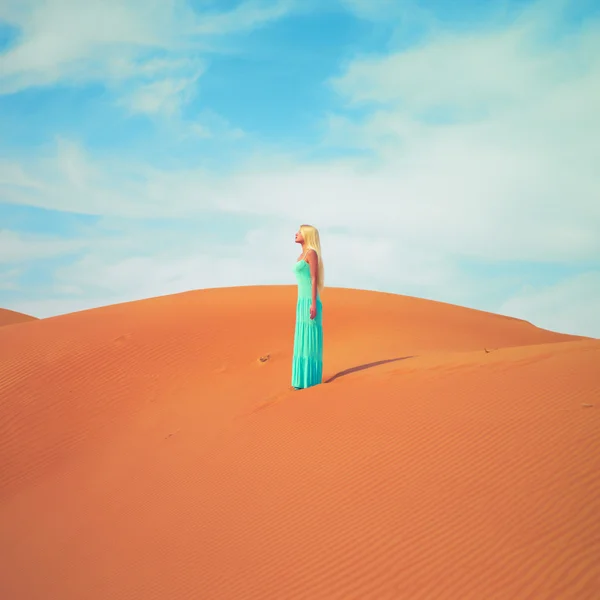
x: 147, y: 452
x: 10, y: 317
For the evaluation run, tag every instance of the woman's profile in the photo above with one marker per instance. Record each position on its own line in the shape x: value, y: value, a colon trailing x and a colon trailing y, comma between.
x: 307, y: 362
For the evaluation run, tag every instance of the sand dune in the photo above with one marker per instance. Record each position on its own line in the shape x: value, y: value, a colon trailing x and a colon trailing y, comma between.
x: 10, y: 317
x: 148, y: 452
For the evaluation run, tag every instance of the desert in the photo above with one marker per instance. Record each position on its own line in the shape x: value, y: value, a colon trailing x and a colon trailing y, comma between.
x: 154, y: 449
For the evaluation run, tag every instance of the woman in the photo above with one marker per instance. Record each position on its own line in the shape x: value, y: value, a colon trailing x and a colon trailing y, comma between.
x: 307, y: 364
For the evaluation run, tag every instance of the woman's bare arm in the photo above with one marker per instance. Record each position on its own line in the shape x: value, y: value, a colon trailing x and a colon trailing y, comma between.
x: 313, y: 262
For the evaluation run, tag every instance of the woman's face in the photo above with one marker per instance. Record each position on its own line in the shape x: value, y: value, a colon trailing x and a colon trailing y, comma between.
x: 299, y: 237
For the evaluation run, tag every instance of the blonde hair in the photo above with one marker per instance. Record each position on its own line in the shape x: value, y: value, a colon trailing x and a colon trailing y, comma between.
x: 313, y: 242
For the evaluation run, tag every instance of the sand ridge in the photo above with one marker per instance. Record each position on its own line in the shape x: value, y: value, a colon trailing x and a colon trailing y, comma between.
x: 10, y: 317
x: 148, y: 452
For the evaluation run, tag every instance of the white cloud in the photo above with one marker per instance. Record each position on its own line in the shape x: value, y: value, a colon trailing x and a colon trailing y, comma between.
x: 515, y: 178
x: 490, y: 69
x: 78, y: 41
x: 371, y: 9
x: 569, y: 306
x: 71, y: 181
x: 14, y: 177
x: 463, y: 196
x: 247, y: 15
x: 404, y: 14
x: 165, y: 96
x: 146, y: 52
x: 513, y: 174
x: 9, y: 279
x: 208, y: 124
x: 17, y: 248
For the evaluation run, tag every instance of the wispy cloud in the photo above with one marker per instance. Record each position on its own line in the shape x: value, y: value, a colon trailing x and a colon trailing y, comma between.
x: 392, y: 11
x: 466, y: 191
x: 149, y: 53
x: 66, y: 40
x: 9, y: 279
x: 245, y: 16
x: 165, y: 96
x: 475, y: 75
x: 17, y: 248
x: 569, y: 306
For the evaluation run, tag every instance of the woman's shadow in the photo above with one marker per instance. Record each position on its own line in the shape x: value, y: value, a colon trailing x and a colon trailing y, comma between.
x: 365, y: 366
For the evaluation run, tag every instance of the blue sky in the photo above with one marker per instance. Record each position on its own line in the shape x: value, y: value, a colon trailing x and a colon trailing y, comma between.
x: 445, y: 150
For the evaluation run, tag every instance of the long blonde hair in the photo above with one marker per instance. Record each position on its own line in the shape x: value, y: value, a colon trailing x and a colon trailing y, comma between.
x: 313, y: 242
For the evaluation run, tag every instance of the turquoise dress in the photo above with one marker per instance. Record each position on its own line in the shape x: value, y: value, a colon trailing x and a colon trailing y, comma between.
x: 307, y: 363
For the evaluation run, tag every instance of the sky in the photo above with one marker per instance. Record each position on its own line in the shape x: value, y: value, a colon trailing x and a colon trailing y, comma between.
x: 444, y: 150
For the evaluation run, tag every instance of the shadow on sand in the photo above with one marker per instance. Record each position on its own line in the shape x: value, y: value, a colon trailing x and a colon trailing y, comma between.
x: 363, y: 367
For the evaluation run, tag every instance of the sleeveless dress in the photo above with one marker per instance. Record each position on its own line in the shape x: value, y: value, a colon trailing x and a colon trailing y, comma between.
x: 307, y: 362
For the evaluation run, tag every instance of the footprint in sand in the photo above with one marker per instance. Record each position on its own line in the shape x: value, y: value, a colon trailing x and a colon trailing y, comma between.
x: 122, y: 338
